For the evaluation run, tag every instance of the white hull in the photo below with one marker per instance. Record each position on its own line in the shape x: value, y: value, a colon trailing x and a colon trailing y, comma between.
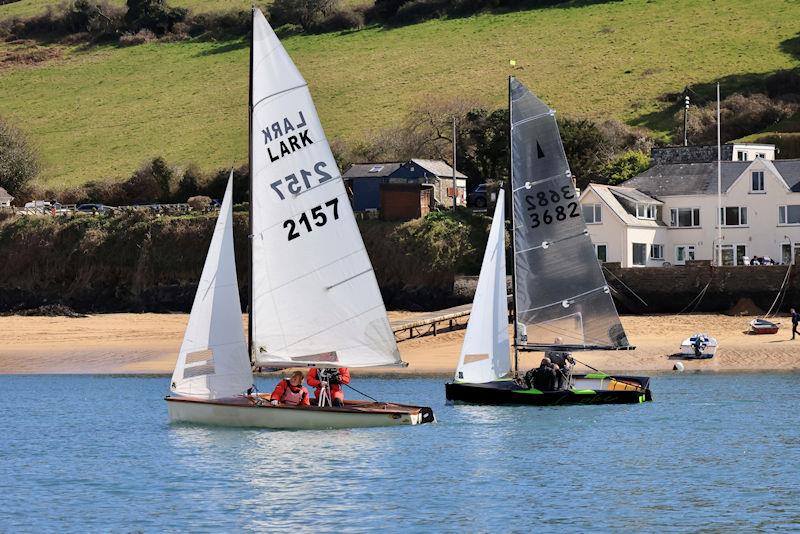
x: 708, y: 348
x: 245, y: 414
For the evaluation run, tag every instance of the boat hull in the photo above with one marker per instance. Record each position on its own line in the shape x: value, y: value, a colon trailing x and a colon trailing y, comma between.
x: 708, y: 350
x: 758, y: 327
x: 243, y: 412
x: 623, y: 390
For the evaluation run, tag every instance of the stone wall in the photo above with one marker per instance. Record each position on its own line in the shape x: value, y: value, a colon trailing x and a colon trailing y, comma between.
x: 677, y: 288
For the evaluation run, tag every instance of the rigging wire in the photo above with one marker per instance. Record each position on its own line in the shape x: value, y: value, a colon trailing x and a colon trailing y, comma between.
x: 781, y: 290
x: 361, y: 393
x: 625, y: 286
x: 697, y: 298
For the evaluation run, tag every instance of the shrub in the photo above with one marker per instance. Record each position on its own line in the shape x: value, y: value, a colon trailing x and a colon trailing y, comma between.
x: 189, y: 184
x: 97, y: 19
x: 153, y: 15
x: 740, y: 116
x: 216, y: 25
x: 199, y: 203
x: 341, y: 19
x: 18, y: 159
x: 138, y: 38
x: 420, y: 10
x: 784, y: 82
x: 306, y: 13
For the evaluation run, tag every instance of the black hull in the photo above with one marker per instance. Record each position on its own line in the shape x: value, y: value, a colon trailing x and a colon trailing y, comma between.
x: 507, y: 392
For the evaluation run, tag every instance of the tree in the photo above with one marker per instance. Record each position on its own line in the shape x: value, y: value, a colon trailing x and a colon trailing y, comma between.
x: 18, y: 159
x: 625, y: 167
x: 584, y: 145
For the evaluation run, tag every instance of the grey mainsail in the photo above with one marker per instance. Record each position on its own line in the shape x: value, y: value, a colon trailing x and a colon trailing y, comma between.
x: 561, y: 297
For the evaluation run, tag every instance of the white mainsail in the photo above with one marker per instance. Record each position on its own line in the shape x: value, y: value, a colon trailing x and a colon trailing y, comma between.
x: 315, y: 298
x: 485, y: 352
x: 213, y: 361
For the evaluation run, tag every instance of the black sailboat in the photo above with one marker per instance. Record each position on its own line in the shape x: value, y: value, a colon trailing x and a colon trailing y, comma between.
x: 562, y: 303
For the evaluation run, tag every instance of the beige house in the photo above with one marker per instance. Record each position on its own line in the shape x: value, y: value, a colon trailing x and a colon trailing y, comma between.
x: 668, y: 214
x: 5, y: 198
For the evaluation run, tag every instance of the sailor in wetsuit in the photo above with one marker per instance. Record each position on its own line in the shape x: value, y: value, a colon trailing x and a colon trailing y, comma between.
x: 563, y: 363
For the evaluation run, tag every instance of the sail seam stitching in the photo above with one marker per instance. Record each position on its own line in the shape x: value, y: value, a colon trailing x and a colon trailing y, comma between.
x: 348, y: 279
x: 278, y: 93
x: 321, y: 267
x: 595, y: 290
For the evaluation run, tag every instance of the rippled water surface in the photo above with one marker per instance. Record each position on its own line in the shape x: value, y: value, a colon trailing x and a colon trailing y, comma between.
x: 713, y: 453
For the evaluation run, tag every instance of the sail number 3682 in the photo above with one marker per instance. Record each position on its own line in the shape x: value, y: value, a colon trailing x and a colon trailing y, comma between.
x: 541, y: 212
x: 318, y: 215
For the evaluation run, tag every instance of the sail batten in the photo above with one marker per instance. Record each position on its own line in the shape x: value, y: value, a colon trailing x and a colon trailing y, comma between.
x: 316, y: 300
x: 561, y: 296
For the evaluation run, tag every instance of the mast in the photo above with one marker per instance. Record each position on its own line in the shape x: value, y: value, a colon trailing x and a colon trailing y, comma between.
x: 250, y: 191
x: 513, y: 255
x: 719, y: 186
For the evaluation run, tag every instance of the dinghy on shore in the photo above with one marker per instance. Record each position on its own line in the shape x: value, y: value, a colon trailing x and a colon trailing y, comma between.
x: 699, y: 347
x: 314, y: 299
x: 763, y: 326
x: 561, y: 300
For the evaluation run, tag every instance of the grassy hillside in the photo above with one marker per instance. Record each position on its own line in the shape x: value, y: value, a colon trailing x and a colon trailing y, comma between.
x: 100, y: 112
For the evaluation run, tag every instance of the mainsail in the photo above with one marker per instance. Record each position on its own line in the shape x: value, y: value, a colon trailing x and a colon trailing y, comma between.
x: 315, y: 299
x: 561, y: 296
x: 485, y: 352
x: 213, y: 362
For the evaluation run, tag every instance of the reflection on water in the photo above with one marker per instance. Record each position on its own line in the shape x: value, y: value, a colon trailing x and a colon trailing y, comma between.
x: 712, y: 452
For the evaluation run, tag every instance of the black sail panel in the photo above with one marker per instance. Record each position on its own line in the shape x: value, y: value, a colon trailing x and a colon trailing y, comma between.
x: 561, y: 297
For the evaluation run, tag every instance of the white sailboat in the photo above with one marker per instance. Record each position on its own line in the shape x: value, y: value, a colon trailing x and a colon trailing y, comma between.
x: 561, y: 300
x: 314, y: 299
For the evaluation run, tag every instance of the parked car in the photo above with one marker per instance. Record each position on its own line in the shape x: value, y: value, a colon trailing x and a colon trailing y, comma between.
x: 478, y: 197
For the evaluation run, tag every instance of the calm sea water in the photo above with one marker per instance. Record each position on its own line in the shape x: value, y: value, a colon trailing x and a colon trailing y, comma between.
x: 712, y: 453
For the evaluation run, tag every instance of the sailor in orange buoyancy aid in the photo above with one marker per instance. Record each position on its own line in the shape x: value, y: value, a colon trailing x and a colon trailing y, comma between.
x: 290, y: 391
x: 340, y: 376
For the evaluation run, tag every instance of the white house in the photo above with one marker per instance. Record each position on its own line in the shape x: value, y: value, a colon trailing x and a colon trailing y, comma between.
x: 5, y: 198
x: 668, y: 214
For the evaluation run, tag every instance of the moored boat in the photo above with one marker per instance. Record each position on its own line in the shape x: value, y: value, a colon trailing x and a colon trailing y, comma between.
x: 561, y: 300
x: 314, y: 300
x: 763, y: 326
x: 699, y: 347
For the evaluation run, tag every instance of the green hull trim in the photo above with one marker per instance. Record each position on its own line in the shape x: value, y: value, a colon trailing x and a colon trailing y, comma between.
x: 597, y: 375
x: 583, y: 391
x: 529, y: 391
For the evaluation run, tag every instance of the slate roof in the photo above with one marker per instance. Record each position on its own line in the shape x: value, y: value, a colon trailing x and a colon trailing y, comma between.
x: 4, y: 195
x: 437, y: 167
x: 608, y: 194
x: 361, y: 170
x: 701, y: 178
x: 632, y: 195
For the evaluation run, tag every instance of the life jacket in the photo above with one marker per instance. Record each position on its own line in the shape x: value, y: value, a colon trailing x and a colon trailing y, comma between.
x: 290, y: 397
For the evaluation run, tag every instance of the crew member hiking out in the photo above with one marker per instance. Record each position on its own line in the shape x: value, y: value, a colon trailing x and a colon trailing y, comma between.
x: 335, y: 377
x: 291, y: 392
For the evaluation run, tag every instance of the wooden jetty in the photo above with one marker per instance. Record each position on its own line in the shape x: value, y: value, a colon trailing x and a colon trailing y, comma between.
x: 431, y: 323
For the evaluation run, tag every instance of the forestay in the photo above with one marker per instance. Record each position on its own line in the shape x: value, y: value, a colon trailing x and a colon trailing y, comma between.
x: 485, y: 352
x: 561, y: 295
x: 315, y: 297
x: 213, y: 361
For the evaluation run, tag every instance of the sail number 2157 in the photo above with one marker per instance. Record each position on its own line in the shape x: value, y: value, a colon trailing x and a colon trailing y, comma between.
x: 541, y: 210
x: 318, y: 214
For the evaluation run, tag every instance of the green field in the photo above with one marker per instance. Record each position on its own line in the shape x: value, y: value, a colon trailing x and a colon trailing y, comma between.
x: 99, y: 113
x: 27, y: 8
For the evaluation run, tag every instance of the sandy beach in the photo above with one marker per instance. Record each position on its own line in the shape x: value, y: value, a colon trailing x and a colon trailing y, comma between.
x: 148, y: 343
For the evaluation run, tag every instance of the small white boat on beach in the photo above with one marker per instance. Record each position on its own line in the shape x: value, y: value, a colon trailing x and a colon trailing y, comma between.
x: 699, y: 346
x: 760, y: 326
x: 314, y: 299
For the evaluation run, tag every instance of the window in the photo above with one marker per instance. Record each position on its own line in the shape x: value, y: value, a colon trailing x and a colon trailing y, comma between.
x: 639, y: 254
x: 683, y: 253
x: 757, y: 181
x: 761, y: 155
x: 741, y: 252
x: 602, y: 253
x: 646, y: 211
x: 789, y: 214
x: 734, y: 216
x: 741, y: 155
x: 592, y: 214
x: 786, y: 253
x: 684, y: 217
x: 657, y: 252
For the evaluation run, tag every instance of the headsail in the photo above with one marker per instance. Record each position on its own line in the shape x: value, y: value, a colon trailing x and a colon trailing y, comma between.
x: 485, y: 352
x: 213, y: 362
x: 561, y: 296
x: 315, y: 297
